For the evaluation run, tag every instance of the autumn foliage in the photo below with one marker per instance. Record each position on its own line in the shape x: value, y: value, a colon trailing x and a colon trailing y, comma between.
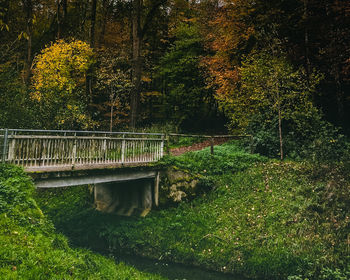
x: 61, y: 68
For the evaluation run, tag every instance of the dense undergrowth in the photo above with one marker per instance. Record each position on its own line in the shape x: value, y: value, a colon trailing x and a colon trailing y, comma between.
x: 31, y: 249
x: 263, y: 218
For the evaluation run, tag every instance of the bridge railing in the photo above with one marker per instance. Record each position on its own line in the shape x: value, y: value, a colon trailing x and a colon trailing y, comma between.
x: 3, y: 144
x: 38, y: 149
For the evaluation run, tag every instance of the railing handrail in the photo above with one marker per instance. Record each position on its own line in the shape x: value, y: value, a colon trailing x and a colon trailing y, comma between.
x: 80, y: 131
x: 124, y: 133
x: 79, y: 137
x: 209, y: 136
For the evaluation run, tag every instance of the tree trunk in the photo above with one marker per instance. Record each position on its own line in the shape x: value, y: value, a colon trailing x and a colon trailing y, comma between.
x: 112, y: 101
x: 28, y: 6
x: 101, y: 38
x: 93, y: 23
x: 6, y: 6
x: 306, y: 41
x: 138, y: 34
x: 136, y: 62
x: 59, y: 23
x: 280, y: 124
x: 92, y: 45
x: 65, y: 9
x: 111, y: 120
x: 61, y: 17
x: 339, y: 97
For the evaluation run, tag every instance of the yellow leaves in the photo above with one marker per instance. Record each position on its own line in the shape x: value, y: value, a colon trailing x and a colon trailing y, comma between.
x: 152, y: 93
x: 74, y: 115
x: 61, y: 67
x: 146, y: 79
x: 23, y: 35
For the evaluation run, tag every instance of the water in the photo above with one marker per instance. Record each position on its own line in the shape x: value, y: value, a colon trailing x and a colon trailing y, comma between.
x: 174, y: 271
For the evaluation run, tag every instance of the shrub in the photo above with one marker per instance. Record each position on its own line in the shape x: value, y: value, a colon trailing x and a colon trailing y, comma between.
x: 306, y: 136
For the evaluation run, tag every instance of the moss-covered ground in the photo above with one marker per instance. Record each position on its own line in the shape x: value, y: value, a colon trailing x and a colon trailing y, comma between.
x: 30, y: 248
x: 262, y: 218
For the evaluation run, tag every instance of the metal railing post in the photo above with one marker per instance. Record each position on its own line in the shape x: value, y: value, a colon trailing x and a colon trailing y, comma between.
x: 167, y: 139
x: 74, y: 149
x: 162, y: 147
x: 123, y: 149
x: 4, y: 148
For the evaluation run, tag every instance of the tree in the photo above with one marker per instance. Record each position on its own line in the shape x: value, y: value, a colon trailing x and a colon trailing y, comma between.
x: 16, y: 108
x: 186, y: 95
x: 92, y: 45
x: 58, y: 78
x: 139, y: 30
x: 112, y: 89
x: 28, y: 8
x: 61, y: 17
x: 268, y: 84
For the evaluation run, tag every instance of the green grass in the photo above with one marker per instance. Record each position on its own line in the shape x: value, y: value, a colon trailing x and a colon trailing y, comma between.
x: 263, y: 219
x: 31, y: 249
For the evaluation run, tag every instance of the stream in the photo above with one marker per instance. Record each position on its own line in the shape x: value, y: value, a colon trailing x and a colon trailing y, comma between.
x: 174, y: 271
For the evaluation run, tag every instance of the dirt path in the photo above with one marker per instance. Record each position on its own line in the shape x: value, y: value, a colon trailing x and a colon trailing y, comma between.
x: 196, y: 146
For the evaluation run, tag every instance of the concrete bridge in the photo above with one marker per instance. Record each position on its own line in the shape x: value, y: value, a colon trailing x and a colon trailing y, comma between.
x: 117, y: 164
x: 120, y: 165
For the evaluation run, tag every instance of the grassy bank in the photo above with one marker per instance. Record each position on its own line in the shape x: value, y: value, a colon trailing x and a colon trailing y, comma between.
x: 263, y: 219
x: 31, y: 249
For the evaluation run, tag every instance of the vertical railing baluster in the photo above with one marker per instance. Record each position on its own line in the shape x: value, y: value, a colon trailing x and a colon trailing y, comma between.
x: 154, y: 149
x: 74, y: 152
x: 123, y: 150
x: 4, y: 149
x: 27, y: 158
x: 48, y: 154
x: 133, y: 150
x: 20, y: 151
x: 60, y: 152
x: 11, y: 156
x: 35, y: 151
x: 83, y: 151
x: 162, y: 147
x: 108, y: 151
x: 157, y: 150
x: 54, y: 150
x: 104, y: 149
x: 142, y: 150
x: 113, y: 151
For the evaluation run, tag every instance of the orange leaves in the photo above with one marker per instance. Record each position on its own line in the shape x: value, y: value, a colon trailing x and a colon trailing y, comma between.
x: 231, y: 26
x: 230, y: 31
x: 224, y: 75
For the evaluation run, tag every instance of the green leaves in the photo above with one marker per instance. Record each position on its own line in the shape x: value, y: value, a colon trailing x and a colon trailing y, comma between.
x: 15, y: 189
x: 186, y: 95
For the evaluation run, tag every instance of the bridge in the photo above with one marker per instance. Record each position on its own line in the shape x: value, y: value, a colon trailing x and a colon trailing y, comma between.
x: 107, y: 160
x: 61, y: 150
x: 117, y: 164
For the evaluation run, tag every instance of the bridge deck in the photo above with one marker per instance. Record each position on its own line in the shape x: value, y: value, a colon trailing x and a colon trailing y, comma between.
x: 39, y: 150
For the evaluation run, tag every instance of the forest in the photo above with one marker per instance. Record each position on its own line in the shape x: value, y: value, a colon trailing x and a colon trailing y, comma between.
x: 278, y: 70
x: 275, y: 75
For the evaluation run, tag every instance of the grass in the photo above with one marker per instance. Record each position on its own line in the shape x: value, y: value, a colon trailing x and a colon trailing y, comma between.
x: 30, y: 248
x: 263, y: 218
